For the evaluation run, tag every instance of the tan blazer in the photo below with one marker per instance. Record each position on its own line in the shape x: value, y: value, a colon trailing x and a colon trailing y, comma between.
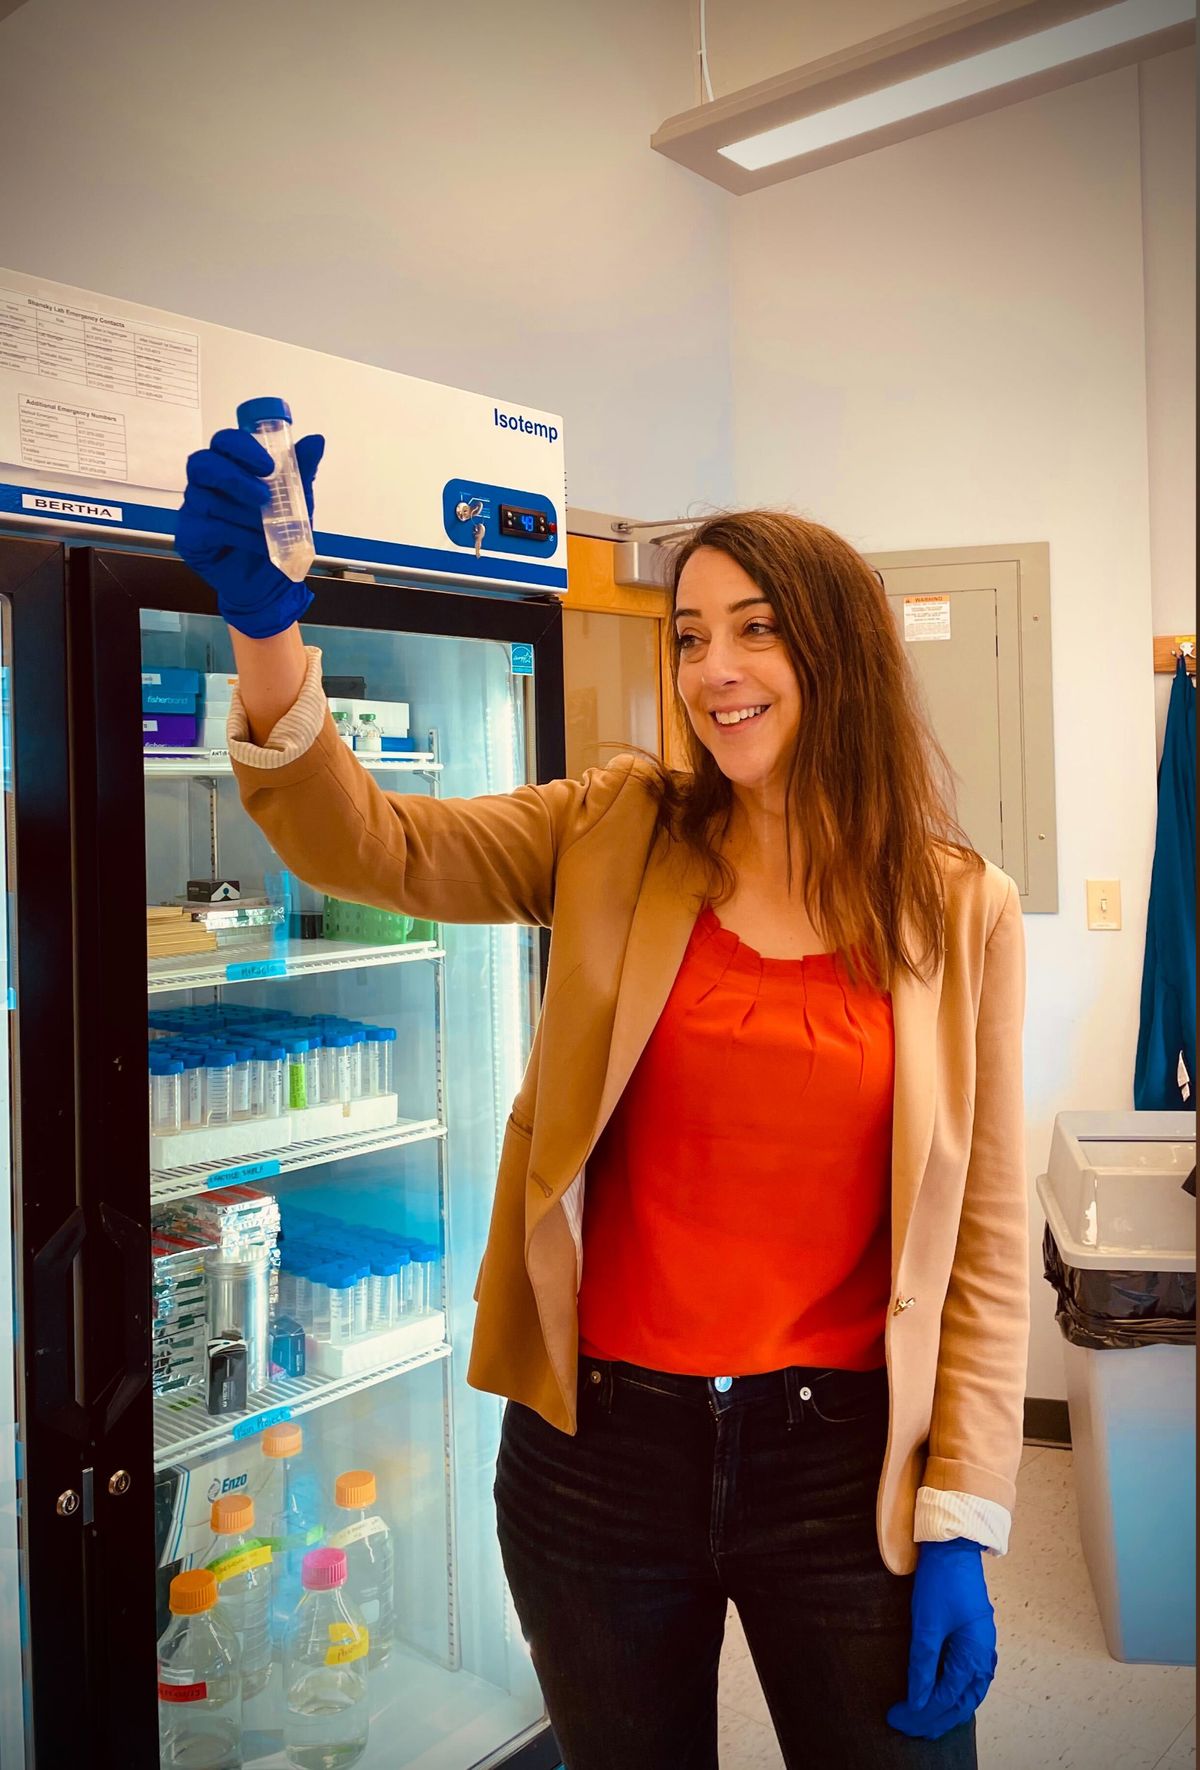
x: 583, y: 858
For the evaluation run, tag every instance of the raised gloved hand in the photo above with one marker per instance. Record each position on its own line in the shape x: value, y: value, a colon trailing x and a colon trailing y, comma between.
x: 954, y: 1629
x: 220, y: 534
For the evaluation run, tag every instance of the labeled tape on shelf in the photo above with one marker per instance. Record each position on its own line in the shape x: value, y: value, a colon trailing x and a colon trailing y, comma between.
x: 246, y: 1174
x: 251, y: 969
x: 271, y: 1416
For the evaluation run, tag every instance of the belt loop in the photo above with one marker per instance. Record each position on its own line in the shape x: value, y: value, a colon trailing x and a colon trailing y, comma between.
x: 600, y: 1382
x: 795, y: 1407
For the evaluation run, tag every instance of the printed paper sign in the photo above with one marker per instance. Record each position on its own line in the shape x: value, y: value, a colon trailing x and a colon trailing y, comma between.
x: 86, y: 391
x: 926, y: 617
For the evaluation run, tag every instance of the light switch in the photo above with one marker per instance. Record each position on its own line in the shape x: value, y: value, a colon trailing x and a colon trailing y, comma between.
x: 1104, y: 903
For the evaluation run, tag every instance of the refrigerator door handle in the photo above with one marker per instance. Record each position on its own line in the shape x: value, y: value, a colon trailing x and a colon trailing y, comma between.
x: 52, y: 1329
x: 133, y: 1364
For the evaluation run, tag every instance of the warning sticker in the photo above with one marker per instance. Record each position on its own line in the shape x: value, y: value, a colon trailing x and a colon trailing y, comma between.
x: 926, y: 617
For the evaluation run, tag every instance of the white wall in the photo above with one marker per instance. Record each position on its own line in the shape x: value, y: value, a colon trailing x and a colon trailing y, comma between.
x: 463, y: 192
x: 752, y: 40
x: 1168, y: 129
x: 944, y: 344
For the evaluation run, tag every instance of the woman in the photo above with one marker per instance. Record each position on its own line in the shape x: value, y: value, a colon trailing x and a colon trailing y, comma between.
x: 778, y: 1358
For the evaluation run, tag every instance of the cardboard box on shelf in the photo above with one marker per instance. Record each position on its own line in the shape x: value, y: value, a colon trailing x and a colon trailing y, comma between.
x: 171, y: 680
x: 176, y: 730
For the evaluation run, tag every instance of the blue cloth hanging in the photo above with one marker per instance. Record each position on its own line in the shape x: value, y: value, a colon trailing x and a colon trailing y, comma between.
x: 1168, y: 1026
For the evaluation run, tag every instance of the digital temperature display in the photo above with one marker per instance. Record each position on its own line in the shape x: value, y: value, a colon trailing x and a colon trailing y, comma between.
x: 527, y: 525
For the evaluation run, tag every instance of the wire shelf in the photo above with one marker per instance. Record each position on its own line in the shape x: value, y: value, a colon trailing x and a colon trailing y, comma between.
x: 181, y: 764
x: 184, y: 1182
x: 299, y: 958
x: 184, y: 1431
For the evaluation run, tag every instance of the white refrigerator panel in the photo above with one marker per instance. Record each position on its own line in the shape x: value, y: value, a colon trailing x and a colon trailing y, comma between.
x: 102, y: 400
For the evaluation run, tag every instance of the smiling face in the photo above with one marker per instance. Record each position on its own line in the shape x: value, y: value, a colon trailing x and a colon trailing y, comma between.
x: 735, y: 676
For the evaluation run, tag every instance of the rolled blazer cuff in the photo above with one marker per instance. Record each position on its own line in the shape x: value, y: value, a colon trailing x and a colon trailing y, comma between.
x: 293, y: 733
x: 942, y: 1514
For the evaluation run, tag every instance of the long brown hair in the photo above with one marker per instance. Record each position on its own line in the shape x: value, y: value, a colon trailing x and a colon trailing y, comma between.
x: 869, y: 786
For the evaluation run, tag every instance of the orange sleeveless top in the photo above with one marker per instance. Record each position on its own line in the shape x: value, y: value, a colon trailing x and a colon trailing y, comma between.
x: 737, y: 1213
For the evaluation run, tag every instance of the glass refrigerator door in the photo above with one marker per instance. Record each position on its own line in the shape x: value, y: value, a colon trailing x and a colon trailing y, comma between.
x: 328, y: 1089
x: 46, y: 1492
x: 13, y: 1610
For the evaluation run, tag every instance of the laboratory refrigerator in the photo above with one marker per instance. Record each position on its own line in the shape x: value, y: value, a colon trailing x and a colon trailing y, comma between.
x: 176, y: 1267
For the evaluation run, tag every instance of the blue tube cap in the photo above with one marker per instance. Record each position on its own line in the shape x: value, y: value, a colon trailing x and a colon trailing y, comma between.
x: 253, y: 411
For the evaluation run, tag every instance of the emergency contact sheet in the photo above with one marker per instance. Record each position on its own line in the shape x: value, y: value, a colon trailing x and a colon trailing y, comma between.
x: 95, y: 392
x: 72, y: 439
x: 98, y: 350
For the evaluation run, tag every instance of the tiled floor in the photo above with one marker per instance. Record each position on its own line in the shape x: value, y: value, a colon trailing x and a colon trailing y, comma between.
x: 1058, y: 1702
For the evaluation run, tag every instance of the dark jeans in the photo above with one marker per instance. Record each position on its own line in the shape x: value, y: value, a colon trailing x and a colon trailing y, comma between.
x: 624, y: 1544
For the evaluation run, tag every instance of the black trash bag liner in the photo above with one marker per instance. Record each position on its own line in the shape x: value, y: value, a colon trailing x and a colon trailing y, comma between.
x: 1101, y: 1309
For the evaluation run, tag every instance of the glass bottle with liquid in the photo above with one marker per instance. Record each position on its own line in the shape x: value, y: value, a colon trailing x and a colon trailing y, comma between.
x: 370, y: 1558
x: 326, y: 1719
x: 294, y: 1525
x: 199, y: 1680
x: 240, y: 1563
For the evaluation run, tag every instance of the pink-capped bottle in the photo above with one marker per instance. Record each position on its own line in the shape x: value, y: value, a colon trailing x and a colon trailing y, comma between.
x: 326, y: 1714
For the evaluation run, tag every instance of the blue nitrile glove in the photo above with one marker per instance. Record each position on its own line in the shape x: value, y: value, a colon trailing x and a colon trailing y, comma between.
x: 953, y: 1623
x: 220, y: 534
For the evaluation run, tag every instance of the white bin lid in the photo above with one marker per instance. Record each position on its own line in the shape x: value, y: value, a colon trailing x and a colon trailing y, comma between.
x: 1113, y: 1195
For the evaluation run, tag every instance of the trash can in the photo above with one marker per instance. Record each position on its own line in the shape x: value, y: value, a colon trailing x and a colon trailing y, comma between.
x: 1120, y: 1252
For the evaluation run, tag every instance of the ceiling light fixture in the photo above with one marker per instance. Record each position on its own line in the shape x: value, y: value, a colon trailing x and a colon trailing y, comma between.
x: 957, y: 63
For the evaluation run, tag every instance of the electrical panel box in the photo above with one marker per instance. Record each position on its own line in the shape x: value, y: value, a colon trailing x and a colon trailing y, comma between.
x: 976, y: 627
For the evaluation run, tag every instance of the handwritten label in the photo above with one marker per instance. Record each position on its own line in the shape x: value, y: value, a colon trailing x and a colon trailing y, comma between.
x: 255, y: 968
x: 245, y: 1175
x: 301, y: 1539
x: 240, y: 1561
x: 349, y: 1643
x: 182, y: 1692
x: 271, y: 1416
x: 354, y: 1533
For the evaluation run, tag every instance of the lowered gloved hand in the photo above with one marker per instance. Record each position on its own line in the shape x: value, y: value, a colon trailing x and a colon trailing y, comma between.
x: 953, y: 1624
x: 220, y: 534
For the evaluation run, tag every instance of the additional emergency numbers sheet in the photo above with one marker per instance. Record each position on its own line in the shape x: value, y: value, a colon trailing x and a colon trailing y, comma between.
x: 87, y: 390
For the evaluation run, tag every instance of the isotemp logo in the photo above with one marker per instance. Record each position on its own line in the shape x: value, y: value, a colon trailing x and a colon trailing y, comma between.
x: 231, y: 1484
x: 515, y: 421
